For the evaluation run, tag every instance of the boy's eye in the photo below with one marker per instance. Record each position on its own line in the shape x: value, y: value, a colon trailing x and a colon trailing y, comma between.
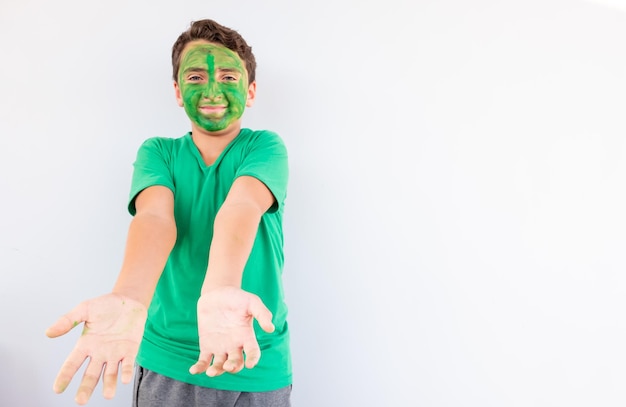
x: 229, y: 78
x: 194, y: 78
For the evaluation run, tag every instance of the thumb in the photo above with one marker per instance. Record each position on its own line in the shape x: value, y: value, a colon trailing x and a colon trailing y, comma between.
x: 262, y: 314
x: 68, y: 321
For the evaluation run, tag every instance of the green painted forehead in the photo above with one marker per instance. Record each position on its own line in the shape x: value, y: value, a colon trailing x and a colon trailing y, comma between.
x: 210, y: 57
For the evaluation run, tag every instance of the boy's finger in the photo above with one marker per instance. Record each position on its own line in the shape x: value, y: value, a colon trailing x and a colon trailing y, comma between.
x: 109, y: 380
x: 263, y: 315
x: 128, y: 368
x: 234, y: 361
x: 217, y: 366
x: 252, y: 352
x: 89, y: 382
x: 68, y: 321
x: 67, y: 371
x: 202, y: 364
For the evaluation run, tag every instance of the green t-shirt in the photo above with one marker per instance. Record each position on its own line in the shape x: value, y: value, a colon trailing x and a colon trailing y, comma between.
x: 170, y: 342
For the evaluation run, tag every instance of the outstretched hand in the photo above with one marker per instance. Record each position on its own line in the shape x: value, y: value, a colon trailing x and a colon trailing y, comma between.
x: 226, y: 333
x: 111, y: 335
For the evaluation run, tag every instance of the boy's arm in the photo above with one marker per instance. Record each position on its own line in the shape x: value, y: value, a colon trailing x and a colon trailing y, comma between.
x: 151, y: 237
x: 234, y: 231
x: 225, y: 312
x: 114, y: 322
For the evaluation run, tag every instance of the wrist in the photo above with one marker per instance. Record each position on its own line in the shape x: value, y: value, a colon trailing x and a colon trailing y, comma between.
x: 131, y: 297
x: 208, y: 289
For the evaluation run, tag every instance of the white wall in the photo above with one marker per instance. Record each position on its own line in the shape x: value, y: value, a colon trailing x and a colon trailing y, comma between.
x: 455, y: 222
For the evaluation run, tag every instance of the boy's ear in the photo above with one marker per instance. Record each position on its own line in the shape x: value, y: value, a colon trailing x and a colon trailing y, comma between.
x: 179, y: 97
x: 251, y: 94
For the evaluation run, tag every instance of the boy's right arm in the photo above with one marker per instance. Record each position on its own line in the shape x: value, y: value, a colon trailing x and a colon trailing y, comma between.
x: 114, y: 322
x: 151, y: 237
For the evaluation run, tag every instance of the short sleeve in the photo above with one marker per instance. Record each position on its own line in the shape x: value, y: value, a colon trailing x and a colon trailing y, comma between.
x: 267, y: 161
x: 151, y: 167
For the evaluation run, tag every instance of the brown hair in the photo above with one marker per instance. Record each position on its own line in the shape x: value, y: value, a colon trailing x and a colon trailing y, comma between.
x: 211, y: 31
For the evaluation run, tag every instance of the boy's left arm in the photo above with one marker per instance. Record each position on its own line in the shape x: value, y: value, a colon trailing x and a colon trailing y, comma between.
x: 225, y: 312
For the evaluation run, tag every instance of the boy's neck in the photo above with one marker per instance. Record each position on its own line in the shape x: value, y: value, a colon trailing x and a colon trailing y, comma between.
x: 211, y: 144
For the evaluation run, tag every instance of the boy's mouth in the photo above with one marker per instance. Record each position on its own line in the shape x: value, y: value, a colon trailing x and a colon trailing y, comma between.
x: 212, y: 109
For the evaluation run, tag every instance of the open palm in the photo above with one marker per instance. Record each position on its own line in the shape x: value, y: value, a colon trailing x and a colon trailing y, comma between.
x: 226, y: 332
x: 112, y: 331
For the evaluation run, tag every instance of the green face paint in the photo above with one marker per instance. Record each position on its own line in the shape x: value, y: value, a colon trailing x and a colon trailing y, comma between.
x: 213, y: 85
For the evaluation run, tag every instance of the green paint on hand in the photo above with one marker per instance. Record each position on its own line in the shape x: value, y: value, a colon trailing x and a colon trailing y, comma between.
x: 74, y: 324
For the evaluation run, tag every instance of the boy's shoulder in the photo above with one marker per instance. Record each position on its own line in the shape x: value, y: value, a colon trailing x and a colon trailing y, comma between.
x: 159, y: 141
x: 261, y: 135
x: 164, y: 146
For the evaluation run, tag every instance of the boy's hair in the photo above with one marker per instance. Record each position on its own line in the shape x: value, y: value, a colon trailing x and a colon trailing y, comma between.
x: 211, y: 31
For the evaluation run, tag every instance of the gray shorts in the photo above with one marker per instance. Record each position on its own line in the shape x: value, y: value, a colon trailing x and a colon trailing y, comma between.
x: 154, y: 390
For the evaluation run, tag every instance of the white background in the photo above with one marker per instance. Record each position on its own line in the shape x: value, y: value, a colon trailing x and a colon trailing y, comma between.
x: 455, y: 222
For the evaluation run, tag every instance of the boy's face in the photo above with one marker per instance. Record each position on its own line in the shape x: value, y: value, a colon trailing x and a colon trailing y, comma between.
x: 213, y: 85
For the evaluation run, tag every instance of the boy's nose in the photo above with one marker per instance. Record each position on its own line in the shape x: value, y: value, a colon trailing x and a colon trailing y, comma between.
x: 212, y: 97
x: 212, y: 91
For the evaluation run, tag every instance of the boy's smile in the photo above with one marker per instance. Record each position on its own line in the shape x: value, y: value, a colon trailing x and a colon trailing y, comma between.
x: 212, y: 85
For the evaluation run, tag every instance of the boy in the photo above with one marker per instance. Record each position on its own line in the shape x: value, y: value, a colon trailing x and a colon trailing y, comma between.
x: 200, y: 285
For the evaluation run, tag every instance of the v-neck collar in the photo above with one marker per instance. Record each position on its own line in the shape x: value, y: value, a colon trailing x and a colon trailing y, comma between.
x: 196, y: 152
